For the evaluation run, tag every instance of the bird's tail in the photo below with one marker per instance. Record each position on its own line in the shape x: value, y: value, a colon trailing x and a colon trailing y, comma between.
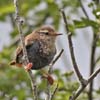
x: 13, y: 62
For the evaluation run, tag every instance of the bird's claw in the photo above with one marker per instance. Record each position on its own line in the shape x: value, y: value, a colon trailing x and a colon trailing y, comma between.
x: 29, y: 66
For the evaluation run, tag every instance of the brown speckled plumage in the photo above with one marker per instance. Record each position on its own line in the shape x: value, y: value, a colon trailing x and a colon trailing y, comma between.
x: 40, y: 46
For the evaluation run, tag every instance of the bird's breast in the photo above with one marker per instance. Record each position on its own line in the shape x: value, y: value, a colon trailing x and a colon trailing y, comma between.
x: 40, y: 53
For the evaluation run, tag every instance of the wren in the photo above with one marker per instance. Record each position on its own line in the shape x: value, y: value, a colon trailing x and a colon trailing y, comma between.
x: 40, y: 46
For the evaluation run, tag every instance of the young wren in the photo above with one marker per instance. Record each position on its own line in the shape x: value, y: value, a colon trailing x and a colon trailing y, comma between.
x: 40, y: 46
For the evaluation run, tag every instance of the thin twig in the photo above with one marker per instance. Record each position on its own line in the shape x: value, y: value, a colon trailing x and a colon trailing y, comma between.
x: 48, y: 91
x: 49, y: 95
x: 92, y: 58
x: 97, y: 1
x: 83, y: 81
x: 54, y: 92
x: 19, y: 25
x: 94, y: 75
x: 81, y: 88
x: 92, y: 66
x: 97, y: 60
x: 82, y: 6
x: 55, y: 60
x: 75, y: 66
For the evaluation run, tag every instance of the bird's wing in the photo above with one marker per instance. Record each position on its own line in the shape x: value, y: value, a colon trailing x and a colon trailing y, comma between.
x: 28, y: 41
x: 18, y: 50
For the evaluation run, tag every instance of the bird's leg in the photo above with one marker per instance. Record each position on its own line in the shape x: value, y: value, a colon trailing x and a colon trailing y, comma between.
x: 48, y: 77
x: 28, y: 66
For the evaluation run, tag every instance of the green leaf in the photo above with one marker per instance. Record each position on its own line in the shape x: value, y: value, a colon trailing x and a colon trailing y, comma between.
x: 91, y: 4
x: 71, y: 28
x: 98, y: 43
x: 79, y: 24
x: 68, y: 74
x: 6, y: 9
x: 85, y: 23
x: 96, y: 12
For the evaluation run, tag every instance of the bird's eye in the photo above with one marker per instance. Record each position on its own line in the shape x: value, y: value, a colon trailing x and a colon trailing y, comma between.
x: 46, y: 33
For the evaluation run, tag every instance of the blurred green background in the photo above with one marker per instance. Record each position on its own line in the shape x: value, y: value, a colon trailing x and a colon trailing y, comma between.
x: 14, y: 82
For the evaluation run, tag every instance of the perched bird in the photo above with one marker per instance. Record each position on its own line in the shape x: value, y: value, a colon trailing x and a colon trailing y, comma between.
x: 41, y: 49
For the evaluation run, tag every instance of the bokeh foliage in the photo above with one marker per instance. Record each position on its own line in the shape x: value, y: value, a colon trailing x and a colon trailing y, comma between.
x: 14, y: 82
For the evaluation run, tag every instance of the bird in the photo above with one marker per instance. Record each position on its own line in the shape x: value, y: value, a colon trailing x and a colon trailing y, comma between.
x: 41, y: 49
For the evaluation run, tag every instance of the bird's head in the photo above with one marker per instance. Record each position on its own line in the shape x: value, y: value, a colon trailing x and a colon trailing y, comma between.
x: 47, y: 33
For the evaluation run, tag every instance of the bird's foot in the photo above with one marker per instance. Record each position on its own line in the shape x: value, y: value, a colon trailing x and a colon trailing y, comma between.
x: 28, y: 66
x: 49, y: 79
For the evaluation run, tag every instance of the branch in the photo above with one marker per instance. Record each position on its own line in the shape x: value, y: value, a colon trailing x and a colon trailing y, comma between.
x: 81, y: 88
x: 49, y: 95
x: 92, y: 65
x: 54, y: 92
x: 83, y: 9
x: 93, y: 75
x: 55, y: 60
x: 19, y: 25
x: 75, y: 66
x: 92, y: 58
x: 97, y: 60
x: 97, y: 1
x: 83, y: 81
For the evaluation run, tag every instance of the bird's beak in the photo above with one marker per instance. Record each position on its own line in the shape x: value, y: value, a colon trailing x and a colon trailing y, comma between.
x: 57, y: 34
